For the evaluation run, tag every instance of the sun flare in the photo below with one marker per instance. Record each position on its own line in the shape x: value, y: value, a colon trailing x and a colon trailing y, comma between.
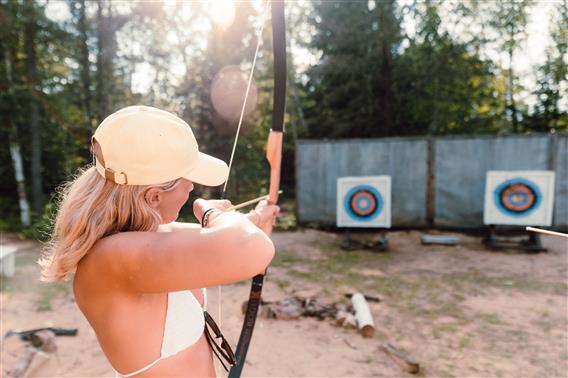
x: 222, y: 13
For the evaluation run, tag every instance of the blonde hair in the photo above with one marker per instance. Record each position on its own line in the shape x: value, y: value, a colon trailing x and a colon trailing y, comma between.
x: 91, y: 208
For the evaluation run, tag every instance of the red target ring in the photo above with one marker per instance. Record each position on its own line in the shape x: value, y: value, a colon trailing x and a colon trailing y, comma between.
x: 363, y: 203
x: 518, y: 198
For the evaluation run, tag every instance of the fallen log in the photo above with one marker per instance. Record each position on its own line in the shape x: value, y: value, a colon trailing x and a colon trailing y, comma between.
x: 350, y: 321
x: 341, y: 315
x: 40, y: 341
x: 363, y: 315
x: 402, y: 361
x: 23, y: 362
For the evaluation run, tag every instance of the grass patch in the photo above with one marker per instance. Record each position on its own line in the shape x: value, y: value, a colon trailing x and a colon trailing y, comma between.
x: 491, y: 318
x: 281, y: 283
x: 4, y: 282
x: 27, y: 280
x: 21, y: 282
x: 544, y: 324
x: 423, y: 296
x: 48, y: 292
x: 464, y: 342
x: 477, y: 280
x: 284, y: 259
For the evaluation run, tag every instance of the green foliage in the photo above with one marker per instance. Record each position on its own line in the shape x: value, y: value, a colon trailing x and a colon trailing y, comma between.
x: 42, y: 226
x: 373, y: 81
x: 372, y: 78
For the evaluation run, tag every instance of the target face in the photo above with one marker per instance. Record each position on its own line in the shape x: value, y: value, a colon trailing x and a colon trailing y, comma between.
x: 517, y: 197
x: 523, y: 198
x: 363, y: 201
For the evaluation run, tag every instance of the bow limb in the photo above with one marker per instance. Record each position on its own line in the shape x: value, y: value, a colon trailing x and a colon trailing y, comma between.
x: 274, y: 157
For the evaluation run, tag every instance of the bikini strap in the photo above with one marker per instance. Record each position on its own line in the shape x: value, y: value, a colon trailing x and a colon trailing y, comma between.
x: 140, y: 370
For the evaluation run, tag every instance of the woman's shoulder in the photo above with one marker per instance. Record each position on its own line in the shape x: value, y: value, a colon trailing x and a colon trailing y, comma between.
x: 107, y: 251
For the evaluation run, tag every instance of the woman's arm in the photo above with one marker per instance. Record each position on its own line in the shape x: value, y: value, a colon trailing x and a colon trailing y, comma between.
x: 230, y: 249
x: 180, y: 226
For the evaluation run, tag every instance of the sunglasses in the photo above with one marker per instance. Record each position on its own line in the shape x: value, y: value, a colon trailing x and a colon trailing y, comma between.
x: 223, y: 352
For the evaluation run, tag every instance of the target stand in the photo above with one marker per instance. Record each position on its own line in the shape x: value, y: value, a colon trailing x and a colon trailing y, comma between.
x: 494, y: 242
x: 518, y: 198
x: 364, y: 207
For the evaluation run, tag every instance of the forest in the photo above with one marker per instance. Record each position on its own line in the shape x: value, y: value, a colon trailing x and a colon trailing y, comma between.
x: 356, y: 69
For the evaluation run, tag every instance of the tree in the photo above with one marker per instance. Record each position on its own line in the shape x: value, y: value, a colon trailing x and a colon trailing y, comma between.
x: 510, y: 20
x: 30, y: 27
x: 79, y: 11
x: 108, y: 24
x: 443, y: 85
x: 552, y: 78
x: 342, y: 85
x: 389, y: 38
x: 8, y: 98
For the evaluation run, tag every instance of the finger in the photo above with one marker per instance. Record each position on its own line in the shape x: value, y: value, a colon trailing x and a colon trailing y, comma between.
x: 220, y: 204
x: 199, y: 203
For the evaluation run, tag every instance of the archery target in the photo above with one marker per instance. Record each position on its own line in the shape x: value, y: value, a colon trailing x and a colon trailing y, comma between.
x: 523, y: 198
x: 364, y: 201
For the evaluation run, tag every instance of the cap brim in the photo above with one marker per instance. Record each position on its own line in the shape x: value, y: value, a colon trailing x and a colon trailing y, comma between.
x: 208, y: 171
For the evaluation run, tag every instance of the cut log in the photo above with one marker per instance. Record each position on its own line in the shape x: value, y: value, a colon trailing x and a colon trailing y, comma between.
x: 402, y: 361
x: 23, y: 362
x: 363, y: 315
x: 341, y: 316
x: 350, y: 321
x: 40, y: 342
x: 44, y: 340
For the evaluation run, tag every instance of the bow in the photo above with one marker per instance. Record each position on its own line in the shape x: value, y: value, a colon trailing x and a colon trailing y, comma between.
x: 274, y: 157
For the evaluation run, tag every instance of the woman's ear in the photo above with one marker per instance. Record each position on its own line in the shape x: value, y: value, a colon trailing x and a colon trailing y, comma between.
x: 152, y: 197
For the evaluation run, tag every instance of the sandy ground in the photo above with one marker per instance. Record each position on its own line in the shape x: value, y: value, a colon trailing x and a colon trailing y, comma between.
x: 459, y: 311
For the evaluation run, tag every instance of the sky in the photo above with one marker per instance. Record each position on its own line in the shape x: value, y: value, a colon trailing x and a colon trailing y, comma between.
x: 527, y: 58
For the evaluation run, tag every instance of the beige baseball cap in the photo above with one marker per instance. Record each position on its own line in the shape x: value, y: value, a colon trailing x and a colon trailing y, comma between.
x: 142, y: 145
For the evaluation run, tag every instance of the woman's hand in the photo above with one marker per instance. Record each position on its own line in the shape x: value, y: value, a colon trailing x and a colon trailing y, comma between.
x: 200, y: 206
x: 265, y: 215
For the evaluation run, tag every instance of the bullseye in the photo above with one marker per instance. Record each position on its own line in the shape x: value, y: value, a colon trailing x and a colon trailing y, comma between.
x: 517, y: 197
x: 363, y: 202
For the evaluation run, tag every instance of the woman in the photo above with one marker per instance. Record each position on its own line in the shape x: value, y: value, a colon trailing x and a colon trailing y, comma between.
x: 138, y: 274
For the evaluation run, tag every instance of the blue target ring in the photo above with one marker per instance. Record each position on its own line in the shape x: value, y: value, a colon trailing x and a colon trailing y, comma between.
x: 517, y: 197
x: 363, y: 203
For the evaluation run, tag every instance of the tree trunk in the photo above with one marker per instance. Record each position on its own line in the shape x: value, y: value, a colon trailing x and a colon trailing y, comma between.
x: 435, y: 124
x: 15, y: 150
x: 85, y: 70
x: 385, y: 79
x: 512, y: 105
x: 29, y: 46
x: 102, y: 63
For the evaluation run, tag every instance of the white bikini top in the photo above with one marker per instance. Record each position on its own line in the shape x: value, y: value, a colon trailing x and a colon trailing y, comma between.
x: 184, y: 325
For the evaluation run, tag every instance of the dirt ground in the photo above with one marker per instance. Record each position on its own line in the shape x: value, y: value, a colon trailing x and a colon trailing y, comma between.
x: 459, y: 311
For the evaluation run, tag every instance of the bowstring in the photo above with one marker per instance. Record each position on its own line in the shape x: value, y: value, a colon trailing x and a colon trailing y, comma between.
x: 241, y: 117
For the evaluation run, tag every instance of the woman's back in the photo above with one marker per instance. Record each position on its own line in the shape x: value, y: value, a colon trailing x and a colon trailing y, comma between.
x: 135, y: 329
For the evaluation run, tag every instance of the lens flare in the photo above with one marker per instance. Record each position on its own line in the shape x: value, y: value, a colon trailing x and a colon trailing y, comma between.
x: 228, y: 93
x: 222, y: 13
